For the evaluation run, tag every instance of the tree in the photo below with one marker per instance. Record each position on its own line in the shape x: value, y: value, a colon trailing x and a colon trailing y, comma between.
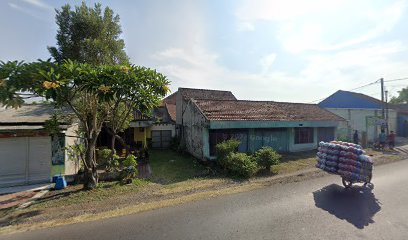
x: 402, y: 97
x: 123, y: 107
x: 88, y: 90
x: 89, y: 36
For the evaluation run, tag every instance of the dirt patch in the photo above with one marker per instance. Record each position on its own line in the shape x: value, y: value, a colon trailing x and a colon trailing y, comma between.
x: 14, y: 199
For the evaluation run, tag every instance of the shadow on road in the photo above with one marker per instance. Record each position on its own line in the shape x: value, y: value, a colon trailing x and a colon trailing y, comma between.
x: 356, y: 205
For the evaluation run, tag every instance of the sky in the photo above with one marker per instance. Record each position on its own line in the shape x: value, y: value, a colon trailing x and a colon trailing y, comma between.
x: 287, y: 51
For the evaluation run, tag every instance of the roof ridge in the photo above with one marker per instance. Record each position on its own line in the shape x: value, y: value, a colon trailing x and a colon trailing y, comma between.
x: 360, y: 94
x: 245, y: 100
x: 203, y: 89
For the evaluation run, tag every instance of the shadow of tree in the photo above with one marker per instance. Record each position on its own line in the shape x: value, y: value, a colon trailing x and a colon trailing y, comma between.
x: 15, y: 219
x: 356, y: 205
x: 55, y: 195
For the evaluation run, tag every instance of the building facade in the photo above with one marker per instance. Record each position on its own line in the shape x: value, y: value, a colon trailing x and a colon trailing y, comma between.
x: 208, y: 117
x: 363, y: 113
x: 28, y: 154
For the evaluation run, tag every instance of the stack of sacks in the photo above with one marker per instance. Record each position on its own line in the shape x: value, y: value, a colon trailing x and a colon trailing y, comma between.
x: 328, y: 157
x: 346, y: 159
x: 353, y: 165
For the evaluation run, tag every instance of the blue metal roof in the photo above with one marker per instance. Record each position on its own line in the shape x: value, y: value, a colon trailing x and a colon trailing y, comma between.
x: 344, y: 99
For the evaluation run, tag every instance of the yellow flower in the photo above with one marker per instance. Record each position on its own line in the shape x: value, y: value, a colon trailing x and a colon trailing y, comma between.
x: 125, y: 69
x: 104, y: 88
x: 166, y: 88
x: 48, y: 85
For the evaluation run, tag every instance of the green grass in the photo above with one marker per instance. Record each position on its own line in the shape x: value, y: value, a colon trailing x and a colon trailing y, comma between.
x: 75, y: 194
x: 292, y: 162
x: 169, y: 166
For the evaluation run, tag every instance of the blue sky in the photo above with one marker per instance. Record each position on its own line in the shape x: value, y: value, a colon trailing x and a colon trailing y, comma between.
x: 296, y: 51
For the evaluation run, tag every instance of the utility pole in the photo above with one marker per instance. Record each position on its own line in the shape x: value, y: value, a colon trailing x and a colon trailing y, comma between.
x: 382, y: 98
x: 386, y: 111
x: 382, y: 103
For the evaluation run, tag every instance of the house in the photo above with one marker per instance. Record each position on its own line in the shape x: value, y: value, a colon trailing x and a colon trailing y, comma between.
x: 363, y: 113
x: 157, y: 131
x: 28, y: 154
x: 402, y: 119
x: 208, y: 117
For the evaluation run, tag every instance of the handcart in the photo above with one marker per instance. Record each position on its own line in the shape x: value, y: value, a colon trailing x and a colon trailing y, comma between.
x: 347, y: 183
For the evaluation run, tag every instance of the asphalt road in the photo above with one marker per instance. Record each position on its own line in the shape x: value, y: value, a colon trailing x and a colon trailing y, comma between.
x: 315, y: 209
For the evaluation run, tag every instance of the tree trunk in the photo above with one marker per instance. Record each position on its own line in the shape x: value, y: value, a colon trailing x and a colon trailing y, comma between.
x: 90, y: 173
x: 113, y: 138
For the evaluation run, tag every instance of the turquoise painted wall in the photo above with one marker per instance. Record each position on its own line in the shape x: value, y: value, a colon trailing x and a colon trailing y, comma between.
x: 264, y: 133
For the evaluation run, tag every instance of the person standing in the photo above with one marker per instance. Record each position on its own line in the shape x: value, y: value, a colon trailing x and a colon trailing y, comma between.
x: 355, y: 137
x: 391, y: 140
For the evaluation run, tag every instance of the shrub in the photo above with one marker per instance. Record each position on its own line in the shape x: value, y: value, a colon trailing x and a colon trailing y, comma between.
x: 241, y: 165
x: 266, y: 157
x: 224, y: 149
x: 107, y: 160
x: 130, y: 161
x: 129, y: 171
x: 103, y: 156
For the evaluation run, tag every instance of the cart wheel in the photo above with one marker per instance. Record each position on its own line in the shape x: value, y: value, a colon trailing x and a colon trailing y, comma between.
x: 346, y: 183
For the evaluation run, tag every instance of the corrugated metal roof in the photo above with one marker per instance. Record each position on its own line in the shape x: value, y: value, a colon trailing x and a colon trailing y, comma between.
x: 345, y: 99
x: 27, y: 113
x: 263, y: 111
x: 21, y: 127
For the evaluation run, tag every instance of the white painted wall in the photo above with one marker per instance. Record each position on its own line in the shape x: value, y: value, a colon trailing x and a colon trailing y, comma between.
x: 165, y: 126
x: 71, y: 167
x: 357, y: 120
x: 25, y: 160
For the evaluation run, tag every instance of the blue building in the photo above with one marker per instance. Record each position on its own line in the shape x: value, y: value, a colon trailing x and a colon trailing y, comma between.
x: 363, y: 113
x: 402, y: 119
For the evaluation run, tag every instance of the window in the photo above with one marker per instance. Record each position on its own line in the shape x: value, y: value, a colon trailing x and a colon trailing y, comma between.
x: 303, y: 135
x: 141, y: 129
x: 218, y: 136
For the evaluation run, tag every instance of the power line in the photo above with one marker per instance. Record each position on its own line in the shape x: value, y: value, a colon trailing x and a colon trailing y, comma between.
x: 397, y: 79
x: 368, y: 84
x: 363, y: 86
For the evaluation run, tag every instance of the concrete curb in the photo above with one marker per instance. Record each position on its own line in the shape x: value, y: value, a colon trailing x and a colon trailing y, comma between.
x: 33, y: 199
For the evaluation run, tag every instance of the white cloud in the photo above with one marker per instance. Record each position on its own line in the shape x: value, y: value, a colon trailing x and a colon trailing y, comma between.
x: 281, y: 10
x: 320, y: 25
x: 26, y: 7
x: 245, y: 26
x: 39, y: 4
x: 323, y: 36
x: 323, y: 74
x: 182, y: 48
x: 267, y: 61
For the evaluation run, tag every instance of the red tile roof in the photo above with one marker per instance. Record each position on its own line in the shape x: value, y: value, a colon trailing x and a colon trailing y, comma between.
x: 171, y: 99
x: 263, y: 111
x: 188, y: 93
x: 171, y: 109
